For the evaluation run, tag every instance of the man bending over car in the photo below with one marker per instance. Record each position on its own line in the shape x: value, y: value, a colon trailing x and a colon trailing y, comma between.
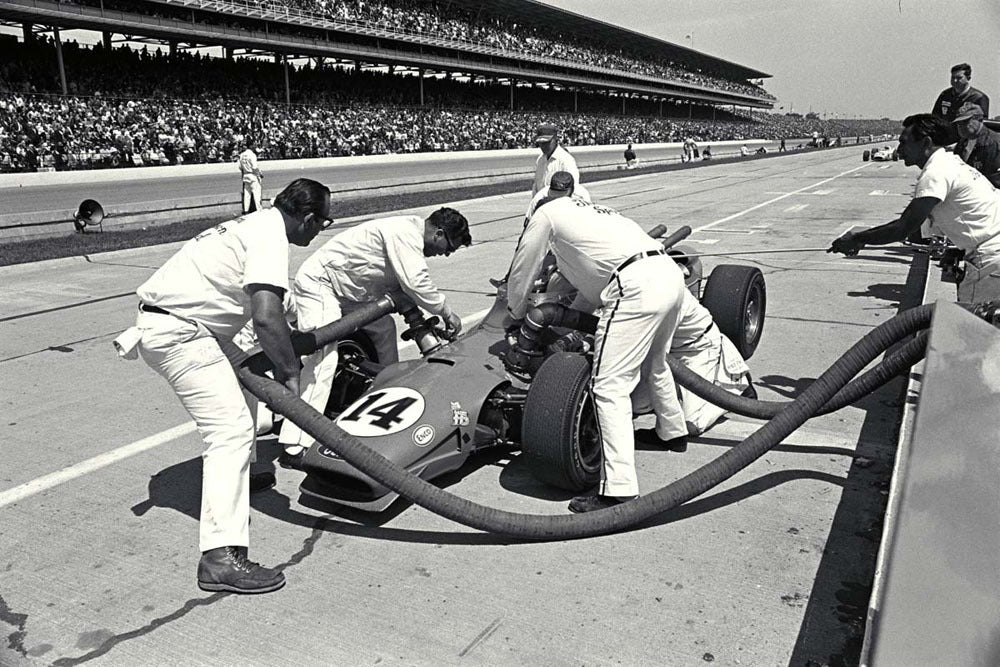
x: 356, y: 267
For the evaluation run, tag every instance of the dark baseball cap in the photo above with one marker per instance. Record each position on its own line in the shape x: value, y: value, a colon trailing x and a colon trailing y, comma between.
x: 545, y: 132
x: 562, y: 181
x: 967, y: 111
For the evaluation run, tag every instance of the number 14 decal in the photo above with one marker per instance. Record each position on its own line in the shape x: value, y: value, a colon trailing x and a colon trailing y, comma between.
x: 388, y: 410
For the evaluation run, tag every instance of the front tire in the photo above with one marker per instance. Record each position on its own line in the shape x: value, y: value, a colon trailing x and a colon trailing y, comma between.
x: 867, y: 155
x: 559, y: 433
x: 736, y: 296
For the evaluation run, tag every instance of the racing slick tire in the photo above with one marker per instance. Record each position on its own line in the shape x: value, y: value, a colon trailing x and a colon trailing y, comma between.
x: 559, y: 434
x: 347, y: 388
x: 737, y: 299
x: 866, y: 156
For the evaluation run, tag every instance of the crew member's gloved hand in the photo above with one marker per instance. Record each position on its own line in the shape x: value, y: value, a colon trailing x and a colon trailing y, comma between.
x: 847, y: 245
x: 452, y: 323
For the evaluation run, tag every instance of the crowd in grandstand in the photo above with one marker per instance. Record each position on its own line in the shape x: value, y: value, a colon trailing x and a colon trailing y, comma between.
x: 146, y: 108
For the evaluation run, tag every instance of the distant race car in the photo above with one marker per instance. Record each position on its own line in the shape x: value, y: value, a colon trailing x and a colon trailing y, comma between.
x: 497, y: 387
x: 883, y: 154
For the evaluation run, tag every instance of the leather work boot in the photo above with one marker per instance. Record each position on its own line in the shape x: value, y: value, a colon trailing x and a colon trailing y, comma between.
x: 582, y: 504
x: 648, y: 436
x: 227, y: 569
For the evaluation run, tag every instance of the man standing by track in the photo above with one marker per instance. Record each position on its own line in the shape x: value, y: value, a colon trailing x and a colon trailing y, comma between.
x: 957, y: 95
x: 358, y: 266
x: 189, y: 311
x: 553, y: 158
x: 252, y: 178
x: 959, y: 200
x: 614, y: 263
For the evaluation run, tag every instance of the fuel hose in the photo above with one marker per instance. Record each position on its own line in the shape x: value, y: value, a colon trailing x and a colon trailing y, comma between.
x: 604, y: 521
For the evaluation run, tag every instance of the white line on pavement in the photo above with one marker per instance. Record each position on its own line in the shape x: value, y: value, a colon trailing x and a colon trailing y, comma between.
x: 68, y: 474
x: 795, y: 207
x: 771, y: 201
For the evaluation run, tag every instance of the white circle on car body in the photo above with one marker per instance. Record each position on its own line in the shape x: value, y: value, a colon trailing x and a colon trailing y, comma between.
x: 385, y: 411
x: 423, y: 435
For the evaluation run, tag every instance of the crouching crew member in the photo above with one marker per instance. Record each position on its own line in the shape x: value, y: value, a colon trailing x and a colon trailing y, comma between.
x: 703, y: 348
x: 959, y: 200
x: 614, y: 263
x: 189, y: 311
x: 359, y: 266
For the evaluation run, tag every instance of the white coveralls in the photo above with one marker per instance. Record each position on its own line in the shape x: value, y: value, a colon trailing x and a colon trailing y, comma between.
x: 251, y: 181
x: 203, y: 287
x: 640, y: 309
x: 354, y: 268
x: 701, y: 346
x: 560, y: 160
x: 969, y: 215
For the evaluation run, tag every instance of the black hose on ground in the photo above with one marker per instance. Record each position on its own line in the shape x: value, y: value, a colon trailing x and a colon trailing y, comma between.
x: 898, y: 361
x: 613, y: 519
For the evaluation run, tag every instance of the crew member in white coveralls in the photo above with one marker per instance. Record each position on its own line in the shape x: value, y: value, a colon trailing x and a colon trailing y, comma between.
x: 955, y: 196
x: 553, y: 158
x: 252, y: 178
x: 640, y: 289
x: 189, y: 311
x: 357, y: 267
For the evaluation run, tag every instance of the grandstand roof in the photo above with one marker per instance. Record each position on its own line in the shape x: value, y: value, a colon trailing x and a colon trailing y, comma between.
x: 541, y: 14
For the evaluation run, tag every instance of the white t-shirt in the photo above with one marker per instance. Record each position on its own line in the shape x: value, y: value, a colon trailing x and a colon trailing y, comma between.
x: 969, y: 212
x: 560, y: 160
x: 589, y: 242
x: 248, y: 165
x: 206, y: 280
x: 376, y: 257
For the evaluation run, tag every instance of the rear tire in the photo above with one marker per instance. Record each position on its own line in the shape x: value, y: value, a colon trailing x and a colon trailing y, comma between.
x: 866, y: 156
x: 736, y: 296
x: 559, y: 434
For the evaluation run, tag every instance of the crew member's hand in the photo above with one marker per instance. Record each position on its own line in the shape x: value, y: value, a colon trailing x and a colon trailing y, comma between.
x: 847, y: 245
x: 452, y: 323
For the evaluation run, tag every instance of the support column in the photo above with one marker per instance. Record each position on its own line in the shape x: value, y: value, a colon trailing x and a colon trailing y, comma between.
x: 421, y: 76
x: 576, y: 105
x: 59, y: 60
x: 623, y: 104
x: 690, y: 108
x: 106, y: 38
x: 713, y: 112
x: 227, y: 51
x: 28, y: 32
x: 661, y: 107
x: 288, y: 89
x: 173, y: 48
x: 513, y: 84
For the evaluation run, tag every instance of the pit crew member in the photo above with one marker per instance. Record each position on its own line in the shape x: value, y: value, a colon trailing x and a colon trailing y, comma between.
x: 958, y: 199
x: 553, y: 158
x: 631, y: 162
x: 189, y: 310
x: 958, y: 94
x: 356, y: 267
x: 252, y: 178
x: 611, y: 261
x: 978, y: 145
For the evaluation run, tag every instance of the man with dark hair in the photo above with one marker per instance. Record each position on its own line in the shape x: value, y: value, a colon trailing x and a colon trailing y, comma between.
x: 958, y: 94
x: 958, y: 199
x: 978, y: 145
x: 189, y: 311
x: 354, y: 268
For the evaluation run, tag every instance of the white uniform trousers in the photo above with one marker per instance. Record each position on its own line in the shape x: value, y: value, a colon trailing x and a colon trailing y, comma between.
x: 251, y: 196
x: 640, y: 311
x: 193, y: 363
x: 982, y: 279
x: 716, y: 359
x: 316, y: 306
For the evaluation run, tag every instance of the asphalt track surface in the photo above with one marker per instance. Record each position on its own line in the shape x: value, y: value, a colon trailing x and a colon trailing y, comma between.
x: 99, y: 491
x: 131, y: 194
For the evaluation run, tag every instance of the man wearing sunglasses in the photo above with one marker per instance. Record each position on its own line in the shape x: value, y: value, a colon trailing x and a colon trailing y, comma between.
x: 189, y: 311
x: 354, y: 268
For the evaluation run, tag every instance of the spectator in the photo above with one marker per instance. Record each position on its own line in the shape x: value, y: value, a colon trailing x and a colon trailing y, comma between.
x: 978, y: 145
x: 959, y: 93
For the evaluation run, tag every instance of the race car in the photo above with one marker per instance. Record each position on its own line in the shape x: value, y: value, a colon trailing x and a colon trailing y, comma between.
x: 494, y: 387
x: 883, y: 154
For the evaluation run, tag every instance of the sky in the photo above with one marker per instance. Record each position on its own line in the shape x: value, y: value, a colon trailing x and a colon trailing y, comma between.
x: 841, y: 58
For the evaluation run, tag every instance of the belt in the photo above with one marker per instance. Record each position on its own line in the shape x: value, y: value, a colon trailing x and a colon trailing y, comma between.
x: 152, y: 309
x: 635, y: 258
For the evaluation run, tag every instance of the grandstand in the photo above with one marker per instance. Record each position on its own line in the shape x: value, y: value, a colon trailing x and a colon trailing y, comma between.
x: 320, y: 78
